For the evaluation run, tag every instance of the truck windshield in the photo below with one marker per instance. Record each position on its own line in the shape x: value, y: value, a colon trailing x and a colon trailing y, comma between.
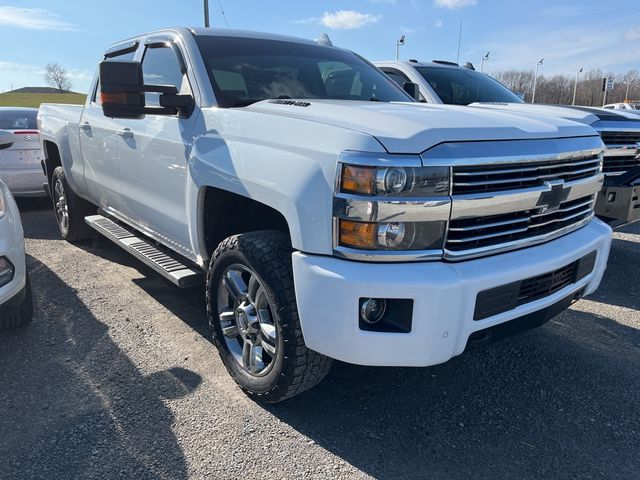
x: 458, y: 86
x: 247, y: 70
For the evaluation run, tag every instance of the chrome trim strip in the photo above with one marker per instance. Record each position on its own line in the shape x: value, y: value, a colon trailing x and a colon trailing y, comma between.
x: 387, y: 255
x: 596, y: 159
x: 391, y: 209
x: 511, y: 201
x: 515, y: 245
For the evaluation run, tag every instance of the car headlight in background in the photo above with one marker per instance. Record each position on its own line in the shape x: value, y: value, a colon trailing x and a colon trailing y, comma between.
x: 7, y: 270
x: 390, y: 206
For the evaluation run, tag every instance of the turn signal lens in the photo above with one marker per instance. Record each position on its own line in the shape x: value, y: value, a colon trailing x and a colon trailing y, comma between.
x: 362, y: 235
x: 395, y: 181
x: 358, y: 179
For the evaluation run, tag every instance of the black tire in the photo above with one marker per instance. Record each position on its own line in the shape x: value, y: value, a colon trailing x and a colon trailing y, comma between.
x: 21, y: 315
x: 75, y: 229
x: 296, y: 368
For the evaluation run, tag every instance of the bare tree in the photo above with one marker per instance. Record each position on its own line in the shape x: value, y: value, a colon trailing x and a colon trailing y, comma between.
x: 56, y: 76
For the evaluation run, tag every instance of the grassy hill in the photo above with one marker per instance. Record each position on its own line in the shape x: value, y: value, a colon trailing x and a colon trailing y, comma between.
x: 35, y: 99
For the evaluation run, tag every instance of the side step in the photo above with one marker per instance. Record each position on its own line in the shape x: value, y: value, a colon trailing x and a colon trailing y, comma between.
x: 168, y: 266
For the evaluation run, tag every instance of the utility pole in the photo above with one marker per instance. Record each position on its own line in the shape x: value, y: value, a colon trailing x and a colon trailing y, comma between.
x: 575, y: 87
x: 485, y: 58
x: 535, y: 81
x: 626, y: 95
x: 399, y: 43
x: 459, y: 42
x: 206, y: 13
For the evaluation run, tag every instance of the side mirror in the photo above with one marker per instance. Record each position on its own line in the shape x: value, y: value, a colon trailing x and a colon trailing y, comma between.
x: 6, y: 139
x: 413, y: 89
x: 520, y: 95
x: 122, y: 92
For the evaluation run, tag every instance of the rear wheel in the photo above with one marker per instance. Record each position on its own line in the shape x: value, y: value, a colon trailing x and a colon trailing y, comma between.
x: 70, y: 209
x: 254, y: 320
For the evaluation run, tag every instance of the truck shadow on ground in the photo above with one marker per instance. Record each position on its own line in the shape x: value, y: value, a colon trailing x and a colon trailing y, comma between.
x: 557, y: 402
x: 541, y: 405
x: 74, y: 405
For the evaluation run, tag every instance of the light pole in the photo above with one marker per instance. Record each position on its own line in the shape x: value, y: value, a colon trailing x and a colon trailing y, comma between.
x: 575, y: 87
x: 535, y: 81
x: 398, y: 44
x: 206, y: 13
x: 485, y: 58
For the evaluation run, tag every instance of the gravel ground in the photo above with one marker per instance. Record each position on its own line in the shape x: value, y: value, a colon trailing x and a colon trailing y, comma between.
x: 115, y: 378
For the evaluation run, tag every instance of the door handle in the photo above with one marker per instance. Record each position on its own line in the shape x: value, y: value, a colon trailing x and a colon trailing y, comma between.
x: 125, y: 132
x: 85, y: 126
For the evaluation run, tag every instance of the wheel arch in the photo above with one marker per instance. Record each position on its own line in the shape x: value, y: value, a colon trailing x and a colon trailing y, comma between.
x: 223, y: 213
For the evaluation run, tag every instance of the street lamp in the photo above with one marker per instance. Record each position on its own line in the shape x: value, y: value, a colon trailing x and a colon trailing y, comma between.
x: 206, y: 13
x: 575, y: 87
x: 535, y: 81
x: 398, y: 44
x: 626, y: 95
x: 485, y: 58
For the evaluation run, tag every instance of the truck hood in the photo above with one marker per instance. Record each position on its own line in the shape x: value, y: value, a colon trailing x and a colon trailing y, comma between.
x: 587, y: 115
x: 414, y: 127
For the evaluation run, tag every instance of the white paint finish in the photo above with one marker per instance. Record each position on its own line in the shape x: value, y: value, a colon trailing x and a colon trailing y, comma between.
x: 413, y: 127
x: 281, y: 161
x: 444, y: 296
x: 61, y: 127
x: 12, y: 245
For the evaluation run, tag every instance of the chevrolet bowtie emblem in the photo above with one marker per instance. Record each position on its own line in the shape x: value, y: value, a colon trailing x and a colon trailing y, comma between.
x: 550, y: 200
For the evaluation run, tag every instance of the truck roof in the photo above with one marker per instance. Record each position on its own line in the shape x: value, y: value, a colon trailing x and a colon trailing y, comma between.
x: 218, y: 32
x: 418, y: 63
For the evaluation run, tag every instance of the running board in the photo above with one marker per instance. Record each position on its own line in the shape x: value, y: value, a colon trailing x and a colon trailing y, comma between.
x: 168, y: 266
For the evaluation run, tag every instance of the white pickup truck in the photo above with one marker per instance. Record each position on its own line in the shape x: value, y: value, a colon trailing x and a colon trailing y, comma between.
x: 330, y: 215
x: 442, y: 82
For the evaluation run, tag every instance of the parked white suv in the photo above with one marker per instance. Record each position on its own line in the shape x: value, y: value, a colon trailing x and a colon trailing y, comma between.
x: 16, y: 306
x: 631, y: 107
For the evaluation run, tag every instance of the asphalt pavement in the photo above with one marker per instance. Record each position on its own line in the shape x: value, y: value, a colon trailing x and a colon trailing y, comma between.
x: 116, y: 378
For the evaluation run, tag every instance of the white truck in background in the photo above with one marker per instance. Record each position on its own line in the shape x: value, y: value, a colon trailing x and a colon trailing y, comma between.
x: 329, y: 215
x: 441, y: 82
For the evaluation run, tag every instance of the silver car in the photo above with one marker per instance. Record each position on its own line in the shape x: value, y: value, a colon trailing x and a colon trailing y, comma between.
x: 20, y: 167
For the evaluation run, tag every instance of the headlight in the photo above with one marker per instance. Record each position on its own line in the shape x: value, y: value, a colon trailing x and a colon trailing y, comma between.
x: 7, y: 271
x: 391, y: 209
x: 391, y: 236
x: 395, y: 181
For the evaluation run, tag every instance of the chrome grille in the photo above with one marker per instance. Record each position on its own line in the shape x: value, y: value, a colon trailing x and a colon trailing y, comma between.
x: 620, y: 138
x: 488, y: 231
x: 620, y: 163
x: 470, y: 179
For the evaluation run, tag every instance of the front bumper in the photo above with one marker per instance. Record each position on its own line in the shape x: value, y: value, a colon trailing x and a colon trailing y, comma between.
x: 619, y: 201
x: 25, y: 182
x: 12, y: 247
x: 444, y: 295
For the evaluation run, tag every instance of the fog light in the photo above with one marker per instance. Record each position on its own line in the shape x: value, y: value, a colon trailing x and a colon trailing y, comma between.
x: 373, y: 309
x: 6, y: 271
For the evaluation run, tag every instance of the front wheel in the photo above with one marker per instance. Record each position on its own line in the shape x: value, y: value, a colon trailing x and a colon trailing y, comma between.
x: 254, y: 320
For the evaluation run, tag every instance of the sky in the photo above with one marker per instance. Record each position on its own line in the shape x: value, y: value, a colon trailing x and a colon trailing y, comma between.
x: 569, y: 35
